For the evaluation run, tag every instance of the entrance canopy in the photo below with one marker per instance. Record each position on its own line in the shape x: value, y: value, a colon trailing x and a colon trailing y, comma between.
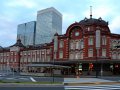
x: 47, y: 65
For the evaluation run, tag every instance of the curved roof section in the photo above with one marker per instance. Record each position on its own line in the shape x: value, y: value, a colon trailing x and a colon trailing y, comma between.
x: 93, y: 21
x: 76, y: 24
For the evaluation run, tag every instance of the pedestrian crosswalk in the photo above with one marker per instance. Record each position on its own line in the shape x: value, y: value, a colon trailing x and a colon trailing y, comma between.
x: 94, y: 87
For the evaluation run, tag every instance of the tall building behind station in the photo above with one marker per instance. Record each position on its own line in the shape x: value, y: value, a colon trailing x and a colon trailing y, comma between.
x: 26, y: 33
x: 49, y: 21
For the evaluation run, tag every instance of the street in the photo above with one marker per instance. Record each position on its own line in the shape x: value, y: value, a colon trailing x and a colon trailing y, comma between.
x: 100, y: 83
x: 19, y: 78
x: 94, y: 87
x: 33, y: 88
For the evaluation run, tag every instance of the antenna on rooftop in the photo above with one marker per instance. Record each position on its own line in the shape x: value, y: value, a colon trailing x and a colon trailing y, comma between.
x: 90, y: 11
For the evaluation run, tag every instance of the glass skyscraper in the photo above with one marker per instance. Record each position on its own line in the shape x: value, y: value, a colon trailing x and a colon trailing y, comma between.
x: 26, y: 32
x: 49, y: 21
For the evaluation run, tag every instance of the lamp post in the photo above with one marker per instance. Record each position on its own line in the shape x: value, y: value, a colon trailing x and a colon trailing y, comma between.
x: 55, y: 50
x: 98, y: 40
x: 53, y: 66
x: 13, y: 62
x: 8, y: 65
x: 97, y: 53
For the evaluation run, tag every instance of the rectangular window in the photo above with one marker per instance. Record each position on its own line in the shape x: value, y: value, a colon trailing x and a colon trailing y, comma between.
x: 114, y: 55
x: 71, y: 56
x: 61, y: 54
x: 81, y: 44
x: 48, y: 51
x: 104, y: 52
x: 28, y: 59
x: 81, y: 55
x: 71, y: 45
x: 90, y: 40
x: 42, y: 52
x: 90, y: 53
x: 118, y: 55
x: 43, y: 58
x: 55, y: 55
x: 37, y: 51
x: 61, y: 44
x: 103, y: 40
x: 77, y: 55
x: 48, y: 58
x: 77, y: 45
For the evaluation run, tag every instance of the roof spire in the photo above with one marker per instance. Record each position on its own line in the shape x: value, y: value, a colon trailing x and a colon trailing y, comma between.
x: 90, y: 11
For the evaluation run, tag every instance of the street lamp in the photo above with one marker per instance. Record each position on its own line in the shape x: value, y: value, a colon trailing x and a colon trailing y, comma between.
x: 98, y: 40
x: 55, y: 50
x: 97, y: 62
x: 8, y: 67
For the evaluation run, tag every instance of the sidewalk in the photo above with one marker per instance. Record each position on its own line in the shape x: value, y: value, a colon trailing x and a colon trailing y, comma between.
x: 91, y: 81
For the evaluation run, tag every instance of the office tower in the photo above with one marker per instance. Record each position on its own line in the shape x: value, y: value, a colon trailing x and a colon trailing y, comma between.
x: 26, y: 32
x: 49, y: 21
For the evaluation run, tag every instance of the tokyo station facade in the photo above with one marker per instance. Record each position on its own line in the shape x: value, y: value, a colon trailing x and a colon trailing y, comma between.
x: 87, y: 47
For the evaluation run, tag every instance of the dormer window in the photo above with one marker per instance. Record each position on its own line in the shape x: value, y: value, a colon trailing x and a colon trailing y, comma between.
x: 85, y: 19
x: 88, y: 28
x: 100, y: 19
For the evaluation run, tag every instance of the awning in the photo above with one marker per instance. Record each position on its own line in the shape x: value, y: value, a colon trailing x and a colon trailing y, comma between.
x: 47, y: 65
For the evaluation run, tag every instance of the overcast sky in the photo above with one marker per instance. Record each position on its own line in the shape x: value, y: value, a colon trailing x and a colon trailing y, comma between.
x: 14, y: 12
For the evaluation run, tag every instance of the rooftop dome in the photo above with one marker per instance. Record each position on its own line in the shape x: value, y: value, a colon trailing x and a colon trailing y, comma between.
x: 18, y: 43
x: 92, y: 21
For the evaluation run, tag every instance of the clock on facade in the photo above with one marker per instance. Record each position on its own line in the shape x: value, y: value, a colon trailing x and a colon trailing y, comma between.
x: 77, y: 33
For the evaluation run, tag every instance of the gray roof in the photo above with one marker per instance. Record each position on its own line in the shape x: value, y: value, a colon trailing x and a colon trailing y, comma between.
x: 93, y: 21
x: 18, y: 43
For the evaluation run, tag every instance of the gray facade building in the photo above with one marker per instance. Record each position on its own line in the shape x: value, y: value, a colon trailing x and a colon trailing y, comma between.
x: 49, y: 21
x: 26, y: 33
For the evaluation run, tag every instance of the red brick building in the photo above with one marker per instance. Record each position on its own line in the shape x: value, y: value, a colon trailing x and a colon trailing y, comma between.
x: 87, y: 47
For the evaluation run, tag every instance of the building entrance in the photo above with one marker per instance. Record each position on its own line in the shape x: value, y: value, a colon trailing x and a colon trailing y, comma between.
x: 94, y: 69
